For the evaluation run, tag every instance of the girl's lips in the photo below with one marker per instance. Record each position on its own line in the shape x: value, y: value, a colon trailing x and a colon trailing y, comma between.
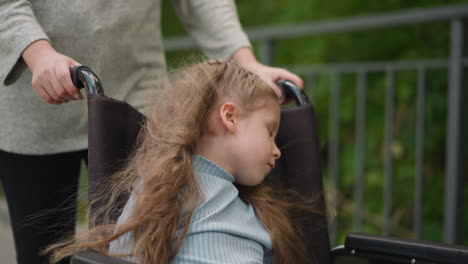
x: 272, y: 166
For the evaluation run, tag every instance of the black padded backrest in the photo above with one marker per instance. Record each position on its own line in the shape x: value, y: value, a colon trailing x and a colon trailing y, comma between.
x: 114, y: 127
x: 299, y: 168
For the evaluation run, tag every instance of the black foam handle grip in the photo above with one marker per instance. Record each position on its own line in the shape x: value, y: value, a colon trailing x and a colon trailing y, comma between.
x: 74, y: 75
x: 84, y: 77
x: 292, y: 92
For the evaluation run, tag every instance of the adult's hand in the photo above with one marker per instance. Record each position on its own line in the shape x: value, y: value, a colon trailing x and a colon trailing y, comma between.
x: 245, y: 58
x: 51, y: 73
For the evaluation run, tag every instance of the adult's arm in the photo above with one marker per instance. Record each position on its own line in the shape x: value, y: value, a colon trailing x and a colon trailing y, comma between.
x: 216, y: 28
x: 24, y: 42
x: 246, y: 58
x: 214, y: 25
x: 18, y: 29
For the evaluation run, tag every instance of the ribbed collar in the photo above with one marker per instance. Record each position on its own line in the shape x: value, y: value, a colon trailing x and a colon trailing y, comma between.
x: 204, y: 165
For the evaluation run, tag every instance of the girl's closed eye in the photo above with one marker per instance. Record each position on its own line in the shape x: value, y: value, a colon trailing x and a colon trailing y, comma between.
x: 271, y: 128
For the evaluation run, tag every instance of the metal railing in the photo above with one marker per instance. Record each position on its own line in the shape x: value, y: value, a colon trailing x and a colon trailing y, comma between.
x: 455, y: 64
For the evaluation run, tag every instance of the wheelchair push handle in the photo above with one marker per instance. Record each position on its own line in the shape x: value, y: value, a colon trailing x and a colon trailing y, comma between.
x: 291, y: 91
x: 84, y: 77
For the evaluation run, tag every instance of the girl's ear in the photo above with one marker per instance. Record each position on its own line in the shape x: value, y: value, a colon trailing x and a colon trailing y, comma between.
x: 229, y: 115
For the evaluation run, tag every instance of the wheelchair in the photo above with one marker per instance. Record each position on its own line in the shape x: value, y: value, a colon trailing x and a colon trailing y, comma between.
x: 113, y: 129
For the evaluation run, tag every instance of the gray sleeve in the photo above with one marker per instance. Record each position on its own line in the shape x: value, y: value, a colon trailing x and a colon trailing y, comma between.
x: 18, y: 29
x: 214, y: 25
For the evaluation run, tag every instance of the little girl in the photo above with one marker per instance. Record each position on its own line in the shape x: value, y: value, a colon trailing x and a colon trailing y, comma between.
x: 196, y: 178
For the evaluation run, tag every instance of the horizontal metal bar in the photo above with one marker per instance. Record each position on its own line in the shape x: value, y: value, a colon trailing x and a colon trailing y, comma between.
x: 395, y: 18
x: 419, y: 15
x: 178, y: 43
x: 378, y: 66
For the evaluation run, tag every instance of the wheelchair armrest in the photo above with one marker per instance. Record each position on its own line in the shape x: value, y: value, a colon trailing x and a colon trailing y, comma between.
x: 413, y: 249
x: 93, y: 257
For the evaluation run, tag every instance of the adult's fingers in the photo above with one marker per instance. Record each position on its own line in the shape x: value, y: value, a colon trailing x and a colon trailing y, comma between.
x: 62, y: 72
x: 285, y: 74
x: 42, y: 92
x: 60, y: 91
x: 52, y: 91
x: 41, y: 85
x: 74, y: 63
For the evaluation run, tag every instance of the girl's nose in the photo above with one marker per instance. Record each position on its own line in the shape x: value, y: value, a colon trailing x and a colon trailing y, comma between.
x: 276, y: 152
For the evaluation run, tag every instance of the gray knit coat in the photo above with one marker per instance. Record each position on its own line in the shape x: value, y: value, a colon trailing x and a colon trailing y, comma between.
x: 119, y: 39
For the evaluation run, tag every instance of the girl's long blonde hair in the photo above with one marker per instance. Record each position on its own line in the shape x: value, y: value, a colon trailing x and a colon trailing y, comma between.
x: 163, y: 162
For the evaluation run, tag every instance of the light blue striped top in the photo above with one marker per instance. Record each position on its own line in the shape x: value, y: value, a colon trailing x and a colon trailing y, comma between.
x: 224, y: 229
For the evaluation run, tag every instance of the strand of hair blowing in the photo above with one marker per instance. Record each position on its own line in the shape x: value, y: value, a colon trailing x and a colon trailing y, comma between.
x: 280, y: 211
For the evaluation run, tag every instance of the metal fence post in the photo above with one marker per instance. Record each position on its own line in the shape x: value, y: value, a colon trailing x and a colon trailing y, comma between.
x: 388, y: 156
x: 334, y: 149
x: 419, y: 168
x: 453, y: 170
x: 361, y: 98
x: 266, y: 51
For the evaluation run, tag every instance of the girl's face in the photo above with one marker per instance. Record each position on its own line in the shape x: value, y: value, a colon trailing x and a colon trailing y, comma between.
x: 254, y: 151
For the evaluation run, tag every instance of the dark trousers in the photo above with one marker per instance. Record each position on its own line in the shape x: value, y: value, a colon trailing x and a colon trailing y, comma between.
x: 41, y: 193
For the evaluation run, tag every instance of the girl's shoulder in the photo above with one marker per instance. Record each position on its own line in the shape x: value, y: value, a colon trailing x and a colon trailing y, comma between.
x: 223, y: 211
